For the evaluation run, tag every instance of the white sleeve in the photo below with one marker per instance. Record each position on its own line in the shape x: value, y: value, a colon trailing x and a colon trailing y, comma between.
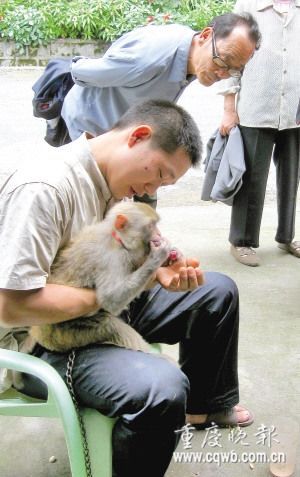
x: 32, y: 224
x: 229, y: 86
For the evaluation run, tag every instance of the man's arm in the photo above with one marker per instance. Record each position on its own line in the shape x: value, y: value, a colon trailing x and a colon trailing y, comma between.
x: 102, y: 72
x: 51, y: 304
x: 230, y: 117
x: 125, y: 64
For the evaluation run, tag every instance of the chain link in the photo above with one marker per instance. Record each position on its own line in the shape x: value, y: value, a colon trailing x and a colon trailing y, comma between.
x: 69, y: 378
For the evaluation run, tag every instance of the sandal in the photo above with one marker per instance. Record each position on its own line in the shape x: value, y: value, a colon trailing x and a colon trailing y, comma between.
x: 292, y: 247
x: 223, y: 419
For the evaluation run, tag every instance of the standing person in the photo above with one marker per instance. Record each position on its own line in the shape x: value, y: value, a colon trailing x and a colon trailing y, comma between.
x: 154, y: 62
x: 48, y: 201
x: 266, y: 104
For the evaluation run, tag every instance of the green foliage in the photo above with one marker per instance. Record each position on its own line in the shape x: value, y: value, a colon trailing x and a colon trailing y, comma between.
x: 199, y: 13
x: 37, y: 22
x: 26, y: 26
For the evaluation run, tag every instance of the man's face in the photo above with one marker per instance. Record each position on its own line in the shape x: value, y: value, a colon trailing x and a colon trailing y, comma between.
x: 140, y: 169
x: 235, y: 51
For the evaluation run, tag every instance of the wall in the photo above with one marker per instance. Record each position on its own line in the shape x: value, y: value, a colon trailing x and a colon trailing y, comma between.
x: 9, y: 56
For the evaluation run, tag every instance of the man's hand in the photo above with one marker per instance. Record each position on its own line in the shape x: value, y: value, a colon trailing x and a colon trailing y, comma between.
x: 183, y: 274
x: 230, y: 118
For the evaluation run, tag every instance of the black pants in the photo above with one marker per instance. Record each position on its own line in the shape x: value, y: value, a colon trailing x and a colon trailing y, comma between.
x: 247, y: 209
x: 150, y: 394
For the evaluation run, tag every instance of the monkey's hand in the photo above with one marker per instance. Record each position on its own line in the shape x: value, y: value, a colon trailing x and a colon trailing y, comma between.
x: 159, y: 252
x: 173, y: 256
x: 182, y: 275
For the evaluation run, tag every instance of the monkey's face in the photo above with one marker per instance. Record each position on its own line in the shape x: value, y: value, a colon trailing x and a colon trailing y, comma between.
x: 151, y: 234
x: 136, y: 226
x: 149, y: 240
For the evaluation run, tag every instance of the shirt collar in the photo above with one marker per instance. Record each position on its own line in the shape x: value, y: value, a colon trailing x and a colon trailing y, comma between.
x: 88, y: 162
x: 179, y: 67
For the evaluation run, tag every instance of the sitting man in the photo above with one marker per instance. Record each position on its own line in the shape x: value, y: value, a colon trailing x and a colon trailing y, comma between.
x: 43, y: 205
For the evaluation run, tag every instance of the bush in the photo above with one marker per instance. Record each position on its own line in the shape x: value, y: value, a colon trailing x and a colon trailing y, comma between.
x: 26, y: 26
x: 37, y: 22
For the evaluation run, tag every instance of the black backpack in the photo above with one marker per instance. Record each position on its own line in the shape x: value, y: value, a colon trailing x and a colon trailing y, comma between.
x: 50, y: 91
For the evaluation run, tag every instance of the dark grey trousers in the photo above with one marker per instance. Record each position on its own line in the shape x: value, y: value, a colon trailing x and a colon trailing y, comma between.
x: 248, y: 203
x: 150, y: 394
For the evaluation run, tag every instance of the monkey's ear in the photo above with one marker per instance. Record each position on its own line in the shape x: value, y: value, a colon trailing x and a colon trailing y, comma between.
x: 121, y: 221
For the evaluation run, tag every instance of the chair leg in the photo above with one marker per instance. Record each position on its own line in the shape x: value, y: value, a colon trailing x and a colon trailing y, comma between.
x: 99, y: 435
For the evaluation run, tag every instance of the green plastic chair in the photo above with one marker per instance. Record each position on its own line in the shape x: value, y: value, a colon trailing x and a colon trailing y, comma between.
x: 59, y: 404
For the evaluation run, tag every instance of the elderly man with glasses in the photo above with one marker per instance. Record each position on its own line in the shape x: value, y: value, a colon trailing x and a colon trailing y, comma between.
x: 155, y: 61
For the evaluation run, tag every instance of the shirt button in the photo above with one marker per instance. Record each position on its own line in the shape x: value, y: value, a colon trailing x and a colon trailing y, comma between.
x: 285, y: 72
x: 284, y: 49
x: 282, y: 94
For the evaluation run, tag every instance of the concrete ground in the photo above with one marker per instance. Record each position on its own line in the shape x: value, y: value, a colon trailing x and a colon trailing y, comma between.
x: 269, y: 351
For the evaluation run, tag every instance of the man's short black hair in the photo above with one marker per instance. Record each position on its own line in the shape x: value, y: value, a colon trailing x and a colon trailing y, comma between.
x: 224, y: 24
x: 172, y: 126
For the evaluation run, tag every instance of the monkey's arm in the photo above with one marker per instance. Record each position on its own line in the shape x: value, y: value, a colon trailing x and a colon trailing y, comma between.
x: 51, y: 304
x: 117, y: 295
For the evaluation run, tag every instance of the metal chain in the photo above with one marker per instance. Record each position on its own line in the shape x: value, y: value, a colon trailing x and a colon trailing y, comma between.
x: 69, y: 378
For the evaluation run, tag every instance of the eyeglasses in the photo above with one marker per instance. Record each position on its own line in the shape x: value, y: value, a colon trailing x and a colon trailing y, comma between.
x: 220, y: 63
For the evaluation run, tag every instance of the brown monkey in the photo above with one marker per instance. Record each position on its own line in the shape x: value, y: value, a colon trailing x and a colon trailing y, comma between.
x: 117, y: 257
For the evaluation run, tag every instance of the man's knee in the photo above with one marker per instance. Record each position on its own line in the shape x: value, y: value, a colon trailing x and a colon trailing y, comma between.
x: 220, y: 306
x: 172, y: 385
x: 163, y: 394
x: 223, y: 288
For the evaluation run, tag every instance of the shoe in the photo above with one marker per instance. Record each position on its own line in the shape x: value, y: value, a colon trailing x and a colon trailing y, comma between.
x: 245, y: 255
x: 226, y: 418
x: 292, y: 247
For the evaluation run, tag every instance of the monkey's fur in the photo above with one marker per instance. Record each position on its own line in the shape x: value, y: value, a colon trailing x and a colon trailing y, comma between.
x: 117, y: 258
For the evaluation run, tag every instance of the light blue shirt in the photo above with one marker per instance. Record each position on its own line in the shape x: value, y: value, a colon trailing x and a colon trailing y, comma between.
x: 147, y: 63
